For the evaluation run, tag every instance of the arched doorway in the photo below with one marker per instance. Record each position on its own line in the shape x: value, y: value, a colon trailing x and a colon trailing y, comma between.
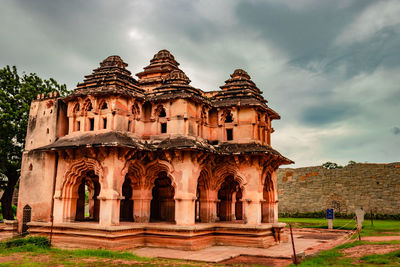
x: 87, y: 205
x: 126, y: 207
x: 268, y: 205
x: 226, y: 209
x: 162, y: 204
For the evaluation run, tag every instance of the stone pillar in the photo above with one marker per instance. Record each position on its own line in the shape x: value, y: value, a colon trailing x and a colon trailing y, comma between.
x: 252, y: 211
x: 233, y: 207
x: 111, y: 184
x: 274, y: 208
x: 69, y: 208
x: 141, y: 205
x: 252, y: 195
x: 208, y: 206
x: 58, y: 210
x: 185, y: 210
x: 186, y: 172
x: 109, y: 210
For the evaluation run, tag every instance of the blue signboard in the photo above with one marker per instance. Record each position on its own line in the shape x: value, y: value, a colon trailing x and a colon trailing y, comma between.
x: 329, y: 214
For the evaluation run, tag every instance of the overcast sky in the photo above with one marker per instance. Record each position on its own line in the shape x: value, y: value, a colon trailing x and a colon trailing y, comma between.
x: 329, y: 68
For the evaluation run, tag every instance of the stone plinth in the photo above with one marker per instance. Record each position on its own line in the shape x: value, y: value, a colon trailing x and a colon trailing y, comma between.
x: 131, y: 235
x: 8, y: 229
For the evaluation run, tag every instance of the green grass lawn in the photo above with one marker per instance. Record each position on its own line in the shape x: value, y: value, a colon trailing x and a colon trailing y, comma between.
x: 380, y: 227
x: 35, y: 251
x: 336, y: 257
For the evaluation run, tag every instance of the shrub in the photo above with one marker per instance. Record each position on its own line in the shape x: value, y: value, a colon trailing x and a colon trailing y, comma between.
x: 38, y: 241
x: 14, y: 210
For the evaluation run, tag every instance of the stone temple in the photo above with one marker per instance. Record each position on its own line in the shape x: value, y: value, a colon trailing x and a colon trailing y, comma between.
x: 124, y: 162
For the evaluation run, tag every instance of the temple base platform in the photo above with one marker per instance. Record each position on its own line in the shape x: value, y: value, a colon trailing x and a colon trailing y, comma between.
x: 167, y: 235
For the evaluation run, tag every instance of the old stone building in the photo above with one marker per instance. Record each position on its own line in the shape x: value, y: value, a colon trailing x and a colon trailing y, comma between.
x: 123, y: 162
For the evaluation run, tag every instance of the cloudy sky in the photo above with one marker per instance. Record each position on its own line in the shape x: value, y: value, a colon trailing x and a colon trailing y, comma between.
x: 330, y: 68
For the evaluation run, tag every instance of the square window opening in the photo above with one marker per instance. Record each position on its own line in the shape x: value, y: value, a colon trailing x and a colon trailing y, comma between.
x: 163, y: 127
x: 91, y: 124
x: 104, y: 123
x: 229, y: 134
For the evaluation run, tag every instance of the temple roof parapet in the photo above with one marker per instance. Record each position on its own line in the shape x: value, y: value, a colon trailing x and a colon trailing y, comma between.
x: 162, y: 80
x: 110, y: 78
x: 172, y: 142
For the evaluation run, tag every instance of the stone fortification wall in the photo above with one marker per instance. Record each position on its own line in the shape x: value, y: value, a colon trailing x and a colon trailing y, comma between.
x: 311, y: 189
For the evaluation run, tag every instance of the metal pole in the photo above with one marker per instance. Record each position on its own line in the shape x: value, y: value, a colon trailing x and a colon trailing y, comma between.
x: 372, y: 218
x: 52, y: 198
x: 294, y: 250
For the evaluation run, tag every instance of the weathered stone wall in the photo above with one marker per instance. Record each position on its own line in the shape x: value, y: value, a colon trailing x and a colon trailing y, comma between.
x: 370, y: 186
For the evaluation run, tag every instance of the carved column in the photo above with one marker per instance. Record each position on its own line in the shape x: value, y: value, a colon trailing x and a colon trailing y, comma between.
x: 109, y: 194
x: 253, y: 195
x: 208, y: 206
x: 187, y: 171
x: 275, y: 201
x: 69, y: 213
x: 233, y: 207
x: 141, y: 204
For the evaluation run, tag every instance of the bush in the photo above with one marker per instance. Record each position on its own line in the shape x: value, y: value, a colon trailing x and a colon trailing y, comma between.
x: 38, y: 241
x: 14, y: 210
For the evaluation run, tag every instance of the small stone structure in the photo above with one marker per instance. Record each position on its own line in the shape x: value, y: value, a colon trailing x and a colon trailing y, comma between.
x: 373, y: 187
x: 122, y: 162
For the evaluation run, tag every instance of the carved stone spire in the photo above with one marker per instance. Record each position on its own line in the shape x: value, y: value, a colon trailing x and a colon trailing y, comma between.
x: 111, y: 77
x: 176, y: 77
x: 160, y: 66
x: 240, y: 90
x: 176, y: 85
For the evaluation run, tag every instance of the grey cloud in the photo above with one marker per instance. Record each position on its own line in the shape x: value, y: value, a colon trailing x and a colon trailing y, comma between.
x: 395, y: 130
x: 308, y: 35
x: 303, y: 32
x: 321, y: 114
x: 304, y: 79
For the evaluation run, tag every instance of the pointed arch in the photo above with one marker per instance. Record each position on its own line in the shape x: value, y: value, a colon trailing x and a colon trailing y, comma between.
x: 154, y: 168
x: 160, y: 112
x: 103, y: 105
x: 204, y: 180
x: 223, y: 171
x: 76, y: 108
x: 227, y: 116
x: 135, y: 110
x: 136, y: 172
x: 87, y: 105
x: 75, y: 172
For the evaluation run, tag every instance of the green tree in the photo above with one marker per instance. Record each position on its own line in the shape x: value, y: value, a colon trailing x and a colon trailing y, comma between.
x: 16, y: 94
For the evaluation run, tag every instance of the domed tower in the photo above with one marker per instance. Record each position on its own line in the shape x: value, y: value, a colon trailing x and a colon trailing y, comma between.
x: 160, y: 66
x: 176, y: 106
x: 243, y: 112
x: 101, y: 102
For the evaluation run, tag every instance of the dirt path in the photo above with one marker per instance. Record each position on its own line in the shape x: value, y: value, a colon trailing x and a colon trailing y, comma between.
x: 381, y: 238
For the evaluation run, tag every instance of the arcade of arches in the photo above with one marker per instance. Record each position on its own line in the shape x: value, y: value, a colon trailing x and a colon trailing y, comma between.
x: 184, y: 188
